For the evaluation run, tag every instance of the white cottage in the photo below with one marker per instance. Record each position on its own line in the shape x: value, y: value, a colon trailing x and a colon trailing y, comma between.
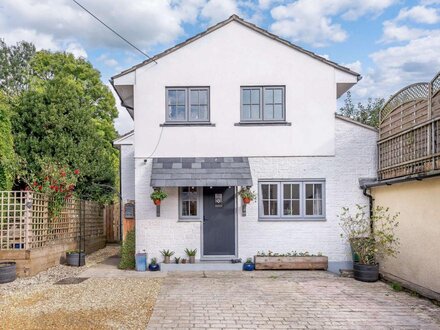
x: 232, y: 107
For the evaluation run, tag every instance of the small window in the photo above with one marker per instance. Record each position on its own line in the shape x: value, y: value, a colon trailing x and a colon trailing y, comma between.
x: 189, y: 201
x: 264, y: 103
x: 187, y: 104
x: 293, y: 200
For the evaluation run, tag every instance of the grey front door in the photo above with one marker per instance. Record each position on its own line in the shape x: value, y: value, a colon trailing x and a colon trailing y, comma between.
x: 218, y: 221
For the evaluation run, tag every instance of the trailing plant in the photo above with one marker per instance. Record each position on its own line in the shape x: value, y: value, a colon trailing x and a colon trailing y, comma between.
x: 246, y: 192
x: 58, y: 182
x: 128, y: 251
x: 372, y: 238
x: 167, y: 253
x: 288, y: 254
x: 191, y: 253
x: 158, y: 194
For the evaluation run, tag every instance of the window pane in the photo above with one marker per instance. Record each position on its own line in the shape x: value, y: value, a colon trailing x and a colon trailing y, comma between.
x: 246, y: 96
x: 295, y: 191
x: 317, y: 207
x: 181, y: 97
x: 255, y: 112
x: 180, y: 112
x: 287, y: 208
x: 317, y: 191
x: 268, y: 112
x: 203, y: 112
x: 171, y: 97
x: 265, y: 208
x: 265, y: 191
x: 203, y: 97
x: 193, y: 208
x: 185, y: 209
x: 273, y: 208
x: 194, y: 97
x: 309, y: 190
x: 278, y: 112
x: 309, y: 207
x: 295, y: 207
x: 189, y: 200
x: 278, y: 95
x: 246, y: 112
x: 255, y: 96
x: 195, y: 112
x: 268, y: 96
x: 273, y: 191
x: 287, y: 191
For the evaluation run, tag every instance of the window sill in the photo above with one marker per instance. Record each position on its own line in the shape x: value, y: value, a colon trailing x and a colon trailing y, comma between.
x: 189, y: 220
x: 186, y: 124
x: 290, y: 220
x: 268, y: 123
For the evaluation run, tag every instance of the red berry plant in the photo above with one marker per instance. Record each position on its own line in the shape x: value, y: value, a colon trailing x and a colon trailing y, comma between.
x: 58, y: 183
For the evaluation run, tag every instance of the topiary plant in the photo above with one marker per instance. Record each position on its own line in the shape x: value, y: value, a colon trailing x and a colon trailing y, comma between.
x: 128, y: 251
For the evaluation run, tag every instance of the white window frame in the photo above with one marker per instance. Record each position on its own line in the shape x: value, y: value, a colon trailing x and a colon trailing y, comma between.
x: 199, y: 215
x: 280, y: 200
x: 187, y: 91
x: 262, y: 103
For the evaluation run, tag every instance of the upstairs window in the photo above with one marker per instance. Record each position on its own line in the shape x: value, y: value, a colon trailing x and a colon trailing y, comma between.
x: 187, y: 104
x: 262, y: 104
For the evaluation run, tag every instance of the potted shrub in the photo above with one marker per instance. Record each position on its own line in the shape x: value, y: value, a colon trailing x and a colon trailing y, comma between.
x: 371, y: 238
x: 249, y: 265
x: 183, y: 260
x: 191, y: 255
x: 157, y: 196
x: 167, y: 254
x: 247, y: 195
x: 154, y: 266
x: 75, y: 258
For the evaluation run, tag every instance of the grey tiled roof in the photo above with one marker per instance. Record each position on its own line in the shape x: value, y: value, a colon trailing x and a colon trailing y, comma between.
x: 201, y: 171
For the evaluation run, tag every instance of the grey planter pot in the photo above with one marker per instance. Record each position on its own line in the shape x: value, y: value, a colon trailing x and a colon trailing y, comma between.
x: 76, y: 259
x: 8, y: 272
x: 192, y: 259
x: 365, y: 273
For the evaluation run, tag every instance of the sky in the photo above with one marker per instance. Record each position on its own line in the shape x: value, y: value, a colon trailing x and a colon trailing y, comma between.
x: 391, y: 43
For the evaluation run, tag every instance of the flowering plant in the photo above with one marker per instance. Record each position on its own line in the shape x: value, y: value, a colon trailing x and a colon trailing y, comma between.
x: 58, y: 183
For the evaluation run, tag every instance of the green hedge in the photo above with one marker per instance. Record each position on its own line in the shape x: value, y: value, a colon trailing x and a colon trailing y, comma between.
x: 128, y: 251
x: 7, y: 155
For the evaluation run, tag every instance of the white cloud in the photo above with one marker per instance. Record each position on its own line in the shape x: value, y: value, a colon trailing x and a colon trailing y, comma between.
x: 40, y: 40
x: 311, y: 21
x: 394, y: 32
x: 399, y: 66
x: 218, y: 10
x: 420, y: 14
x: 110, y: 62
x: 76, y: 49
x: 354, y: 66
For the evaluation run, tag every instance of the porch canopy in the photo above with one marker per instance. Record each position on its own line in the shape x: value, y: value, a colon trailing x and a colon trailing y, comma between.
x: 201, y: 171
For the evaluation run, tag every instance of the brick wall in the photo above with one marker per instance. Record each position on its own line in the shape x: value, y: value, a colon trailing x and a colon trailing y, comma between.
x: 355, y: 157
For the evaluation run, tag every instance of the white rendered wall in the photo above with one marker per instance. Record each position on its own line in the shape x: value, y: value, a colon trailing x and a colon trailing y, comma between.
x: 226, y: 59
x: 127, y: 172
x: 355, y: 157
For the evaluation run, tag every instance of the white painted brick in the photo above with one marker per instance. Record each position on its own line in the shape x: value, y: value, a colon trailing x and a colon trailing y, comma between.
x: 355, y: 157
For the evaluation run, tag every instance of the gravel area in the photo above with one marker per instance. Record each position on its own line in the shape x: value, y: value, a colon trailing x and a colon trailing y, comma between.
x: 96, y: 303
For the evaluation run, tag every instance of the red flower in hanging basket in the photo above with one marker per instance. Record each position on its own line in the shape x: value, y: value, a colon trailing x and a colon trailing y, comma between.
x: 157, y: 202
x: 76, y: 172
x: 246, y: 200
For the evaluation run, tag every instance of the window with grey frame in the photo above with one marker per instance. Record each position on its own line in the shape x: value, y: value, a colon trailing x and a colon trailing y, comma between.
x: 262, y: 103
x: 291, y: 200
x: 187, y: 104
x: 189, y: 203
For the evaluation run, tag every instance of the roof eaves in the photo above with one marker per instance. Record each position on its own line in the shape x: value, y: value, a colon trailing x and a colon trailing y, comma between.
x: 249, y: 25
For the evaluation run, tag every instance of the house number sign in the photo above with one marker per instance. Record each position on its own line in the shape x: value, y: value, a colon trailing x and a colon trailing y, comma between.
x: 218, y: 200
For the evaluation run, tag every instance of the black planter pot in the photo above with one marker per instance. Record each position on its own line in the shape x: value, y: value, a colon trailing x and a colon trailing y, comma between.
x: 74, y: 259
x: 366, y: 273
x: 8, y: 272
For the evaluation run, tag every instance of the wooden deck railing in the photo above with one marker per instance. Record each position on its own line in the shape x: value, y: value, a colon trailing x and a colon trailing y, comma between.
x: 409, y: 133
x: 25, y: 222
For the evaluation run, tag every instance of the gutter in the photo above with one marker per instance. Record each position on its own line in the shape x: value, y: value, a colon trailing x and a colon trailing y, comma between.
x: 408, y: 178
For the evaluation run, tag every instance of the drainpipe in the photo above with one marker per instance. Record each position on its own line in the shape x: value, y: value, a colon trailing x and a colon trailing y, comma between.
x: 370, y: 198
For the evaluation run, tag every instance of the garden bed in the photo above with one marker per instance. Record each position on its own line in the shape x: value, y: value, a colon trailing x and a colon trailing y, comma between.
x: 291, y: 262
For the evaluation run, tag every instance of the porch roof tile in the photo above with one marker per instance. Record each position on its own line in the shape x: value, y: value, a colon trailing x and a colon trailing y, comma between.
x: 201, y: 171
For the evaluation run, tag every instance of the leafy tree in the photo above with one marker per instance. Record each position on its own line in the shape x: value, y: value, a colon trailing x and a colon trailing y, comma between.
x: 15, y: 67
x: 365, y: 113
x: 66, y: 114
x: 7, y: 155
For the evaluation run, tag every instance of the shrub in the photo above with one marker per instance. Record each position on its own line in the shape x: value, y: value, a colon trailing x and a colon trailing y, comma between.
x: 128, y: 251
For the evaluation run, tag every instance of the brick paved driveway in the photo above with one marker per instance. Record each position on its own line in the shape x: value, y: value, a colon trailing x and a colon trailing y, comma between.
x: 286, y: 300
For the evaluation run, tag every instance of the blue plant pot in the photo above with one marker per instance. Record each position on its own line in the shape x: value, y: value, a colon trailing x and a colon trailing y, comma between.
x: 248, y: 267
x: 154, y: 268
x: 141, y: 262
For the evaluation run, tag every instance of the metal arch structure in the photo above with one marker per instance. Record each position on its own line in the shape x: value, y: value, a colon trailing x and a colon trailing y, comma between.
x: 413, y: 92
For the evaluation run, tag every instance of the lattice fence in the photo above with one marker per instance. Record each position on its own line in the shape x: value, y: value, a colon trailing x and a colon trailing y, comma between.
x: 25, y: 222
x: 409, y: 133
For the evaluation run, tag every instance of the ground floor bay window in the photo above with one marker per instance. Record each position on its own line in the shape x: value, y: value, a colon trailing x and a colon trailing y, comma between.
x: 292, y: 200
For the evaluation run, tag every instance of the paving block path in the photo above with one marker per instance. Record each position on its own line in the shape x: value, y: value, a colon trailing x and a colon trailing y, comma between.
x: 285, y: 300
